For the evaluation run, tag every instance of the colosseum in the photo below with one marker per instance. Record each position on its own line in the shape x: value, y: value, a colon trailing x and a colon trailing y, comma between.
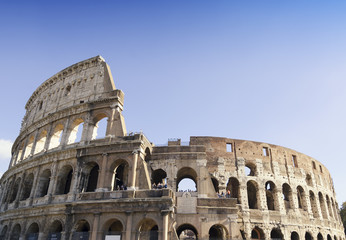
x: 66, y: 180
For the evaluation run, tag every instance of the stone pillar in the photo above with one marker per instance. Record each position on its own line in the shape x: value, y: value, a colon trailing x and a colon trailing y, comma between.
x: 165, y: 216
x: 53, y: 181
x: 101, y: 183
x: 49, y: 136
x: 95, y: 229
x: 128, y: 226
x: 134, y: 170
x: 34, y: 143
x: 34, y: 185
x: 66, y: 133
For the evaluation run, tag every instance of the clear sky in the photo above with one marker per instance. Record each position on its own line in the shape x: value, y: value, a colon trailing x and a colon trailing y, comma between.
x: 271, y: 71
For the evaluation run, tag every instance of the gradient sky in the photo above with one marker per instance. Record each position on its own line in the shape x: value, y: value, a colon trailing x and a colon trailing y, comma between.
x: 271, y: 71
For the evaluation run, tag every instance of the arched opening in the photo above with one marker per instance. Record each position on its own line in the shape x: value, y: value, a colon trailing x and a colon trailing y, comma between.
x: 252, y: 189
x: 43, y: 185
x: 215, y: 184
x: 147, y: 155
x: 113, y: 228
x: 329, y: 237
x: 29, y: 147
x: 92, y: 179
x: 148, y: 230
x: 27, y: 187
x: 187, y: 231
x: 120, y: 176
x: 308, y: 236
x: 15, y: 233
x: 301, y: 198
x: 3, y: 232
x: 270, y: 195
x: 308, y: 180
x: 333, y: 209
x: 250, y: 169
x: 276, y: 234
x: 233, y: 187
x: 294, y: 236
x: 186, y: 179
x: 15, y: 190
x: 55, y: 139
x: 55, y: 230
x: 217, y: 232
x: 64, y: 180
x: 32, y: 232
x: 81, y: 231
x: 287, y: 195
x: 76, y: 131
x: 100, y: 128
x: 159, y: 178
x: 319, y: 236
x: 329, y: 207
x: 313, y: 204
x: 41, y: 141
x: 257, y: 233
x: 19, y: 153
x: 322, y: 205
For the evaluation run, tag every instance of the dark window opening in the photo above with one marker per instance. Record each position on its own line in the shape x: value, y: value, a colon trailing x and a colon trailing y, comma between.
x: 294, y: 161
x: 265, y: 151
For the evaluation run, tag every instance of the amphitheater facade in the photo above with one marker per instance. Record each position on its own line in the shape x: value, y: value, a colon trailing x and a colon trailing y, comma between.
x: 66, y: 181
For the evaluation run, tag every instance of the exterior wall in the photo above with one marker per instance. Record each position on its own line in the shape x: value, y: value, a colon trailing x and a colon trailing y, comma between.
x: 60, y: 188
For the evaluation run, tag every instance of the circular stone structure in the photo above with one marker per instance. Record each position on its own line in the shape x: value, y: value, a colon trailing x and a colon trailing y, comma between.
x: 75, y: 173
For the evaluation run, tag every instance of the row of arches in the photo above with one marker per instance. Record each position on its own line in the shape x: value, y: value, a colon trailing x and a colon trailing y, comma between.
x: 61, y: 133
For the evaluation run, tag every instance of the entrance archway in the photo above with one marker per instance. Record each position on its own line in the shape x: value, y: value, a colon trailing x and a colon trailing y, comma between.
x: 187, y: 231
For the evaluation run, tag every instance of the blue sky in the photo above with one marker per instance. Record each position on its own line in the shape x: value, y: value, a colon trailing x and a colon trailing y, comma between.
x: 271, y: 71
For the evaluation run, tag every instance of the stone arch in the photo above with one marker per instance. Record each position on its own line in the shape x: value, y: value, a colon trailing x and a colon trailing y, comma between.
x: 233, y: 186
x: 276, y: 233
x: 215, y: 183
x: 329, y: 237
x: 252, y: 194
x: 148, y: 229
x: 319, y: 236
x: 19, y: 153
x: 28, y: 147
x: 14, y: 190
x: 308, y: 180
x: 43, y: 184
x: 287, y: 195
x: 75, y: 131
x: 64, y: 180
x: 147, y: 157
x: 33, y: 231
x: 218, y: 232
x: 100, y: 121
x: 188, y: 230
x: 27, y: 187
x: 271, y: 192
x: 250, y: 169
x: 113, y: 227
x: 294, y: 236
x: 41, y: 141
x: 313, y: 204
x: 120, y: 174
x: 3, y: 232
x: 159, y: 176
x: 92, y: 177
x: 16, y: 231
x: 301, y: 198
x: 257, y: 233
x: 329, y: 207
x: 81, y: 230
x: 56, y: 136
x: 55, y: 229
x: 308, y: 236
x: 322, y: 205
x: 186, y: 172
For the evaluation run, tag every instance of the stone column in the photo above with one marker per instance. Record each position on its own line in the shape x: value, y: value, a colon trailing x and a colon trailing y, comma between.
x: 53, y: 181
x: 95, y: 228
x: 101, y: 184
x: 34, y: 185
x: 134, y: 170
x: 165, y: 216
x: 128, y: 226
x: 34, y: 143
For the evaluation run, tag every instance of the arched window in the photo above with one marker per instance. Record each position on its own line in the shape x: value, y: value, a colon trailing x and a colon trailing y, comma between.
x: 3, y: 232
x: 287, y: 195
x: 64, y: 180
x: 81, y: 231
x: 250, y: 169
x: 319, y: 236
x: 41, y: 141
x: 252, y: 189
x: 233, y: 187
x: 186, y: 179
x: 29, y: 147
x: 271, y: 195
x: 217, y: 232
x: 43, y: 185
x: 15, y: 190
x: 19, y: 153
x: 313, y: 204
x: 257, y: 233
x: 308, y: 236
x: 329, y: 237
x: 15, y: 233
x: 322, y: 205
x: 276, y: 233
x: 147, y: 155
x: 120, y: 176
x: 301, y: 198
x: 148, y: 230
x: 32, y: 232
x: 308, y: 180
x: 55, y: 139
x: 55, y: 230
x: 159, y: 176
x: 294, y: 236
x: 100, y: 128
x: 329, y: 207
x: 76, y: 131
x: 27, y: 187
x: 215, y: 183
x: 92, y: 179
x: 187, y: 231
x: 113, y: 227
